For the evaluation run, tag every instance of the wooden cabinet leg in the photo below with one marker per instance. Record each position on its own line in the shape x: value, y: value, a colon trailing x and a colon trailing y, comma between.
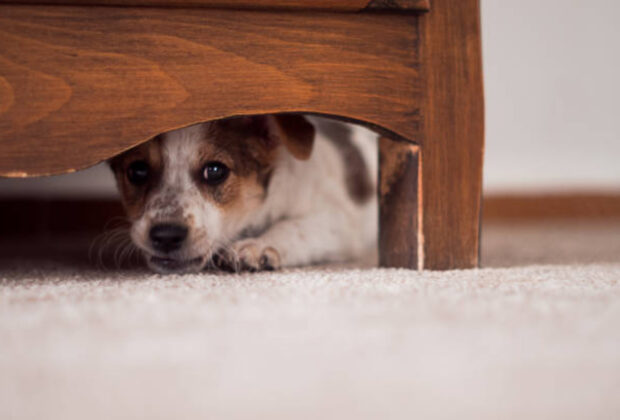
x: 428, y: 216
x: 450, y: 213
x: 400, y: 222
x: 452, y: 138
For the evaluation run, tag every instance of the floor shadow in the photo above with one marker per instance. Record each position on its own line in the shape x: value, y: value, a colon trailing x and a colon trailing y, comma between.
x: 503, y: 245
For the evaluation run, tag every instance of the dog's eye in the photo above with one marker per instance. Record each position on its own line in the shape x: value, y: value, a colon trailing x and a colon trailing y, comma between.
x: 138, y: 172
x: 215, y: 173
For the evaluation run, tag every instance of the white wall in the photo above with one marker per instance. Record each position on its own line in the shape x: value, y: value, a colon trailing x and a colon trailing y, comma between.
x: 90, y: 183
x: 552, y: 70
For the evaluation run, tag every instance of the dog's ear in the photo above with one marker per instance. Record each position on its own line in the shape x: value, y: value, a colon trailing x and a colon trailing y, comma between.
x: 114, y: 163
x: 292, y: 131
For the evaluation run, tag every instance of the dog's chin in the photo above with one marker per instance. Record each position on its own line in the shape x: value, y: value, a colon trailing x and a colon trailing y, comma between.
x: 165, y: 265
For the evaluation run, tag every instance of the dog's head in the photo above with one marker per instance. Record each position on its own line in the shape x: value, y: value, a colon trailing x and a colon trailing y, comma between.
x: 191, y: 191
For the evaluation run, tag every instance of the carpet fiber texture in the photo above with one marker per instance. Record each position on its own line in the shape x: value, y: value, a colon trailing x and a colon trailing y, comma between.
x: 535, y: 334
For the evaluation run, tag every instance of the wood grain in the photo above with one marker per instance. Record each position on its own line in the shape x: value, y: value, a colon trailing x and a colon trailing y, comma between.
x: 453, y: 133
x: 399, y: 5
x: 331, y: 5
x: 400, y: 216
x: 81, y: 84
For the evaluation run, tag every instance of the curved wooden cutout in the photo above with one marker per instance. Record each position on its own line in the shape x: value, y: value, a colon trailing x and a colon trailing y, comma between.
x: 81, y: 84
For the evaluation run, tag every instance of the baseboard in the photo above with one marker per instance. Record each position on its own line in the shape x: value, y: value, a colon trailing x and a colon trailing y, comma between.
x: 59, y: 216
x: 532, y: 207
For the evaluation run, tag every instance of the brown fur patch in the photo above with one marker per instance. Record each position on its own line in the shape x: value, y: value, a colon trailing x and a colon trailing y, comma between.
x: 134, y: 197
x: 357, y: 177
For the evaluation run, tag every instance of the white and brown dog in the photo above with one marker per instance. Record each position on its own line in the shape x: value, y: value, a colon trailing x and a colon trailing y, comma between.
x: 251, y: 193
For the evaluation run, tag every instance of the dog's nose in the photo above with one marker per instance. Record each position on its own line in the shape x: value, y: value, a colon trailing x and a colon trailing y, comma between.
x: 167, y: 237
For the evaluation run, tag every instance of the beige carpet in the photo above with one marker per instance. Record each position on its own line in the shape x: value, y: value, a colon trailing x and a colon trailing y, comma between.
x: 536, y: 335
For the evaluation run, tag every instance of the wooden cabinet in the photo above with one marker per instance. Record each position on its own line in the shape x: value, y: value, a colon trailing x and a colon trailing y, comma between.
x: 81, y: 82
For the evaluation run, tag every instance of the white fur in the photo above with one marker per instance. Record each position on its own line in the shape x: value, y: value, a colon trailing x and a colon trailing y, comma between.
x: 316, y: 220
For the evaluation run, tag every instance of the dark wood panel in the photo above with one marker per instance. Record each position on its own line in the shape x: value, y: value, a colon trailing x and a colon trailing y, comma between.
x: 334, y: 5
x: 81, y: 84
x: 453, y: 138
x: 421, y: 5
x: 400, y: 216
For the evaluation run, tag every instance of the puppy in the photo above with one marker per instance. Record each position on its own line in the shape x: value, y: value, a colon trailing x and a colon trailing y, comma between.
x: 251, y: 193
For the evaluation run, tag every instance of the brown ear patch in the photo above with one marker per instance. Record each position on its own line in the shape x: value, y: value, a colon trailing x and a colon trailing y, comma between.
x: 292, y: 131
x: 295, y: 133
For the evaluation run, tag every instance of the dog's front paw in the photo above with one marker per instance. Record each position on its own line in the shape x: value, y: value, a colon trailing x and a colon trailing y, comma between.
x: 250, y: 255
x: 254, y: 256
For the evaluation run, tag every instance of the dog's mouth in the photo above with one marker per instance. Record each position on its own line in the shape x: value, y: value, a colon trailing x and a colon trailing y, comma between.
x: 173, y: 265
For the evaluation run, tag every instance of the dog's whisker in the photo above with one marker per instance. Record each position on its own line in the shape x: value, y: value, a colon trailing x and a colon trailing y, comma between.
x: 123, y: 222
x: 102, y: 243
x: 119, y: 252
x: 134, y: 254
x: 126, y: 253
x: 98, y: 245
